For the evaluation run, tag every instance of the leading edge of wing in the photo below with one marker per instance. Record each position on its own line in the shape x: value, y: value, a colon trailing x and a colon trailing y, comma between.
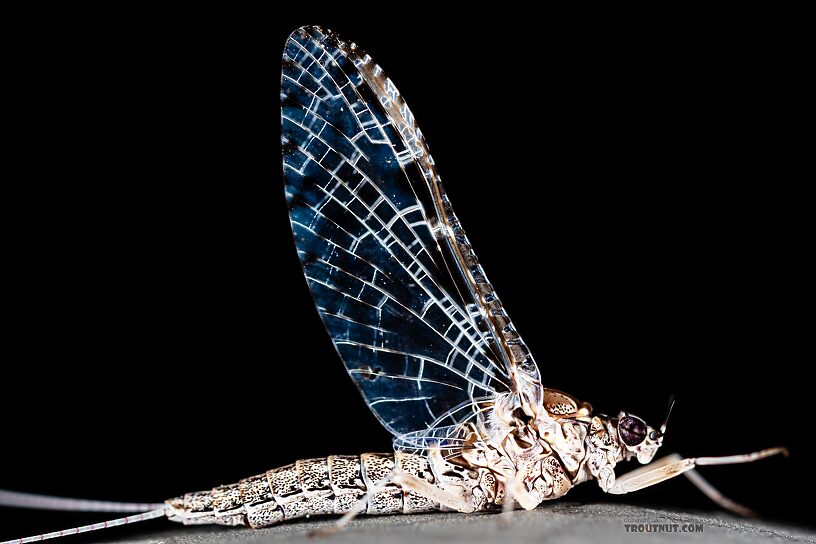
x: 363, y: 219
x: 459, y: 258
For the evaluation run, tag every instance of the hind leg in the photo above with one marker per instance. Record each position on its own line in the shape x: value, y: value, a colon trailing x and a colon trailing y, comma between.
x: 408, y: 482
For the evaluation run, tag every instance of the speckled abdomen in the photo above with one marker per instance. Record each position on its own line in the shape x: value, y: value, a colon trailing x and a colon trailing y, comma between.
x: 308, y: 487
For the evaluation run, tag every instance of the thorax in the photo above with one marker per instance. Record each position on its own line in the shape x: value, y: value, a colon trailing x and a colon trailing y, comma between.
x: 564, y: 445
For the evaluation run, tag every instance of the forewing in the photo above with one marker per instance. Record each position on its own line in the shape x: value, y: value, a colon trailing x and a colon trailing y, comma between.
x: 374, y: 248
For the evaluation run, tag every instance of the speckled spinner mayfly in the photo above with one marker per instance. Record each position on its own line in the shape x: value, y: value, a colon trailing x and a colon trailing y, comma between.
x: 419, y: 328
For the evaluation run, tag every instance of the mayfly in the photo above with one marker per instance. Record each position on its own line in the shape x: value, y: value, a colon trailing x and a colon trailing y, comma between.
x: 420, y: 330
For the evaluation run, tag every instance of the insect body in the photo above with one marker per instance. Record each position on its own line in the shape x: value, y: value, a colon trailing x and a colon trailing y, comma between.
x: 577, y: 447
x: 419, y: 328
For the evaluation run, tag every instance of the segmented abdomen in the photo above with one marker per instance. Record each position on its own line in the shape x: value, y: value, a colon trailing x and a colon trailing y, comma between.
x: 331, y: 485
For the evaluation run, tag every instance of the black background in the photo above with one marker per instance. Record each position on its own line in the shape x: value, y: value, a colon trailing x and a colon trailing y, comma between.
x: 639, y: 206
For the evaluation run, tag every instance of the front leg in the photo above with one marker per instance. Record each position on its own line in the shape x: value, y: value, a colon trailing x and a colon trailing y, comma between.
x: 636, y: 479
x: 673, y: 465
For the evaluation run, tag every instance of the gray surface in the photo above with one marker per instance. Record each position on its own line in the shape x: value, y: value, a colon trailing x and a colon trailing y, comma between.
x: 564, y: 523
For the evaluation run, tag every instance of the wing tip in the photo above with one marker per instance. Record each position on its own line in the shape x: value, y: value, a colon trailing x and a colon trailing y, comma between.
x: 317, y: 34
x: 313, y: 32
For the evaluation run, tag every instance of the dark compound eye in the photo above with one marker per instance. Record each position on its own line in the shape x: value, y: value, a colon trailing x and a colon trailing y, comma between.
x: 632, y: 430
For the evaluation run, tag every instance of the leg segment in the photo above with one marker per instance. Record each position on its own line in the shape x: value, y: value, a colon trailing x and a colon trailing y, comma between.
x: 712, y: 493
x: 673, y: 465
x: 409, y: 482
x: 514, y: 492
x: 359, y: 507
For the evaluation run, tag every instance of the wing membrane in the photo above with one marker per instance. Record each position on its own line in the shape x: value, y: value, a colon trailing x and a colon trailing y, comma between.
x: 389, y: 268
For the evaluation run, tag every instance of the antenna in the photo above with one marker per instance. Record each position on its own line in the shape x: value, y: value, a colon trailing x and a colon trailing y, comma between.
x: 668, y: 414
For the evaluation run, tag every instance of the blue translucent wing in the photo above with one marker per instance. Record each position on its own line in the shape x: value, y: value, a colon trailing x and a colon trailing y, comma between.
x: 394, y: 280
